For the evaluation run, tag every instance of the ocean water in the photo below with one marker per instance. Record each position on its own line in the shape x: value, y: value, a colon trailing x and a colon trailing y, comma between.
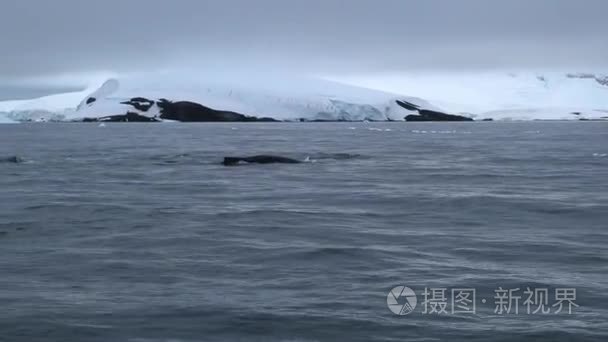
x: 136, y: 232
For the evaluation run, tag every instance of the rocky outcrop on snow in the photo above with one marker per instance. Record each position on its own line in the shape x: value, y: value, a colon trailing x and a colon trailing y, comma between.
x: 601, y: 79
x: 186, y: 111
x: 429, y: 115
x: 129, y: 117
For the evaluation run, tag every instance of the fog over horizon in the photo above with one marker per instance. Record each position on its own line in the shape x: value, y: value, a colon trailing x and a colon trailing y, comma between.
x: 54, y: 46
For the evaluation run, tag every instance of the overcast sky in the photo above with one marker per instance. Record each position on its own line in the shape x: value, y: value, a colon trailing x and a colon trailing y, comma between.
x: 42, y: 38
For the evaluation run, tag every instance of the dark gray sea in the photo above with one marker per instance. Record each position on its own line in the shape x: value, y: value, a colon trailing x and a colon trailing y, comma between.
x: 136, y: 232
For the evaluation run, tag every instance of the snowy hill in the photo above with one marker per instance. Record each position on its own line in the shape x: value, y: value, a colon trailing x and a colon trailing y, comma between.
x: 48, y: 108
x: 258, y: 95
x: 505, y: 96
x: 551, y: 96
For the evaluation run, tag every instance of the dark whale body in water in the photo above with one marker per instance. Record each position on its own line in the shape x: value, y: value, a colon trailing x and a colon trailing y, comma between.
x: 261, y: 159
x: 12, y: 159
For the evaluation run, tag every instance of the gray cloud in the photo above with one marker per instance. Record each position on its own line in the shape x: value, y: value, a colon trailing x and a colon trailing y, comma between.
x: 320, y: 36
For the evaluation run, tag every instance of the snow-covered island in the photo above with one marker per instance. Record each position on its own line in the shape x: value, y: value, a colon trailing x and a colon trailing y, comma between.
x: 171, y: 97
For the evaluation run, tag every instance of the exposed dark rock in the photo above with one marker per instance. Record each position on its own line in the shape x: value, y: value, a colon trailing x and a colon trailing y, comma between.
x: 140, y: 103
x: 183, y: 111
x: 186, y: 111
x: 323, y: 120
x: 576, y: 113
x: 488, y: 119
x: 261, y: 159
x: 91, y: 100
x: 264, y: 119
x: 408, y: 105
x: 129, y: 117
x: 601, y: 79
x: 598, y: 119
x: 415, y: 118
x: 431, y: 115
x: 141, y: 99
x: 340, y: 120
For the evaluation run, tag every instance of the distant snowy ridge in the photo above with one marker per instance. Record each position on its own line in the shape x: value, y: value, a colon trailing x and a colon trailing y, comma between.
x: 506, y: 96
x: 59, y: 107
x: 278, y: 98
x: 601, y: 79
x: 571, y: 96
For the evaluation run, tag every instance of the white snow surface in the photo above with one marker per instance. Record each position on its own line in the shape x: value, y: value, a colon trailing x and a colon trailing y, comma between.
x: 283, y: 98
x: 551, y: 96
x: 260, y: 95
x: 504, y: 95
x: 56, y: 107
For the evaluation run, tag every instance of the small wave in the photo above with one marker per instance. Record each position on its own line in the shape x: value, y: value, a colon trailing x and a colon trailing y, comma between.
x: 374, y: 129
x: 416, y: 131
x: 335, y: 156
x: 50, y: 206
x: 329, y: 252
x: 170, y: 156
x: 599, y: 155
x: 179, y: 158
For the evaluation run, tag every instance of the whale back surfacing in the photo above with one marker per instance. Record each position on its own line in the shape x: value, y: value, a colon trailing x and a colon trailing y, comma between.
x: 260, y: 159
x: 12, y: 160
